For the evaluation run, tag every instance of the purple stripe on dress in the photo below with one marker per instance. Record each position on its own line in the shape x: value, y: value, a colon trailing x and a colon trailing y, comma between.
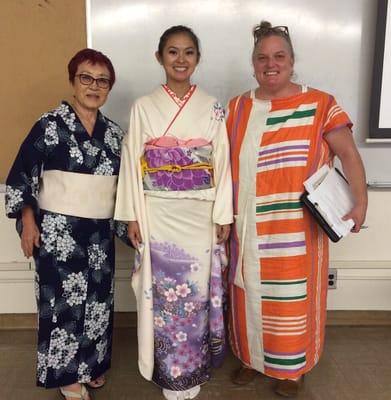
x: 234, y: 255
x: 235, y: 190
x: 235, y: 129
x: 281, y: 245
x: 281, y: 160
x: 298, y: 147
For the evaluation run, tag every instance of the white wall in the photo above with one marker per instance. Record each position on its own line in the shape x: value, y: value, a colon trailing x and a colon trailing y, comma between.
x: 363, y: 263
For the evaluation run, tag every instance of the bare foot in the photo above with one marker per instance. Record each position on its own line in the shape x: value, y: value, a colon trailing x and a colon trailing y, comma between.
x: 97, y: 383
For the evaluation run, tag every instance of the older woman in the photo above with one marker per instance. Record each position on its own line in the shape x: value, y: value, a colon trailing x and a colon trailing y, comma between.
x: 61, y: 188
x: 280, y: 134
x: 174, y: 189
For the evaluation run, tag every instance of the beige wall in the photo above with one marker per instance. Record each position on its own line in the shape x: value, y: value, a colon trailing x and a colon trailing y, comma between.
x: 37, y: 39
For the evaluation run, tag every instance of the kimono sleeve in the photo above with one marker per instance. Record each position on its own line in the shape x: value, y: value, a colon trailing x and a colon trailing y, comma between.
x: 336, y: 117
x: 128, y: 179
x: 222, y: 210
x: 22, y: 183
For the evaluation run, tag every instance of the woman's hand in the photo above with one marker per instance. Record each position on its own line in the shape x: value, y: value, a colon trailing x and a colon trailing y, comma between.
x: 357, y: 214
x: 30, y: 233
x: 134, y: 234
x: 222, y: 232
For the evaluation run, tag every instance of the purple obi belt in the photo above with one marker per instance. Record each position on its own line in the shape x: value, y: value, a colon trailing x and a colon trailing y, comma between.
x: 171, y: 164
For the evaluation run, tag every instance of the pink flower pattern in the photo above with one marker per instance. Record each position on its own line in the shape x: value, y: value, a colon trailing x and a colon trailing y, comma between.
x: 183, y: 326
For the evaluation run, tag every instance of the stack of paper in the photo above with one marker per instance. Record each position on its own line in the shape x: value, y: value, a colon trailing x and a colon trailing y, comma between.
x: 329, y: 192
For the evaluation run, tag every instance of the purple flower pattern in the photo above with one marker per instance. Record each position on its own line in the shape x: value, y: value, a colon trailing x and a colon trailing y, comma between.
x: 218, y: 112
x: 183, y: 345
x: 190, y: 179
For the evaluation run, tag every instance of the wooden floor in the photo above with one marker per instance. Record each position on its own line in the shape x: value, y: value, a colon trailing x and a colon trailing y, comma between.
x: 356, y: 365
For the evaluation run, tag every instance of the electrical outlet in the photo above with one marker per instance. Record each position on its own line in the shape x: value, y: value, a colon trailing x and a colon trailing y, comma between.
x: 332, y: 278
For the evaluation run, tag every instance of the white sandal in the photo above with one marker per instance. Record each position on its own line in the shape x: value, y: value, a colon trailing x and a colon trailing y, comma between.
x: 191, y: 393
x: 174, y: 394
x: 76, y: 395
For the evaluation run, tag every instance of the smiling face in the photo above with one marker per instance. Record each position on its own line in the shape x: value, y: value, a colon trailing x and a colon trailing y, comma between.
x: 273, y: 64
x: 90, y: 97
x: 179, y: 58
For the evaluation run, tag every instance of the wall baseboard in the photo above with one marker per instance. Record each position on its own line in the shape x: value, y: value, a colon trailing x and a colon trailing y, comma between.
x: 29, y: 321
x: 129, y: 319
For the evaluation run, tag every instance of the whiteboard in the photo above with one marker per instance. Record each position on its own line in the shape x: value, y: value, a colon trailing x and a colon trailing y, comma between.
x: 385, y: 115
x: 333, y: 42
x: 380, y: 117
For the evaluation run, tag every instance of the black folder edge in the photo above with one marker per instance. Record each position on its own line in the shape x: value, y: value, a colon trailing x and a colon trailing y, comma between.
x: 319, y: 219
x: 333, y: 236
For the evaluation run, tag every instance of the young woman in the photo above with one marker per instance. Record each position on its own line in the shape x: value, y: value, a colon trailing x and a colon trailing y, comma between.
x: 175, y: 191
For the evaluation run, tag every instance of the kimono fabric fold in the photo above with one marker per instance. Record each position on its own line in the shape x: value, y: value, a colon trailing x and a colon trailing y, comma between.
x: 75, y: 262
x: 279, y: 255
x: 176, y: 184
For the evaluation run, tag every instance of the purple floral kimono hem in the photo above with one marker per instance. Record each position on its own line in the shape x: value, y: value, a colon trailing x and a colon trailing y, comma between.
x: 216, y: 313
x: 189, y: 327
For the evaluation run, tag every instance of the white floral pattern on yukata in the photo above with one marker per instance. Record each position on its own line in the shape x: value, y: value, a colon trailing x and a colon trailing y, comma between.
x: 96, y: 319
x: 51, y: 135
x: 96, y: 257
x: 63, y: 348
x: 64, y: 112
x: 41, y: 367
x: 75, y: 289
x: 83, y: 373
x: 14, y: 199
x: 101, y: 348
x: 56, y: 236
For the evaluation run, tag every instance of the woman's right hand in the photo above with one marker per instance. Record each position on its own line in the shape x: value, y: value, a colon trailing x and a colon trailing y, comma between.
x: 30, y: 233
x: 134, y: 234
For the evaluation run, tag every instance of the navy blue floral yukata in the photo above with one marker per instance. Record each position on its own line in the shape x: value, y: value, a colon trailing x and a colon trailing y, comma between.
x: 75, y: 262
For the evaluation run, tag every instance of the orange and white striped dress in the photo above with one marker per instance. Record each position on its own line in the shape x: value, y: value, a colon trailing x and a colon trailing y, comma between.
x: 279, y: 255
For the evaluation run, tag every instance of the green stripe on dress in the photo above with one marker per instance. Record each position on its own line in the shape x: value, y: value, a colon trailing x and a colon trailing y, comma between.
x: 283, y: 282
x: 279, y: 206
x: 295, y: 115
x: 284, y: 298
x: 281, y: 361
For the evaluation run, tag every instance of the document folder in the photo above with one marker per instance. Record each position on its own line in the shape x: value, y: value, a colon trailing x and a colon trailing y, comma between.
x: 328, y: 198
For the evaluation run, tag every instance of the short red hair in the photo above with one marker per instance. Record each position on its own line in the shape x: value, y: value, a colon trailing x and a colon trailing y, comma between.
x: 93, y: 57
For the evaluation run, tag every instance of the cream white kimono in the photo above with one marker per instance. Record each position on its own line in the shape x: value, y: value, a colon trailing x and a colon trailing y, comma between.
x: 175, y: 180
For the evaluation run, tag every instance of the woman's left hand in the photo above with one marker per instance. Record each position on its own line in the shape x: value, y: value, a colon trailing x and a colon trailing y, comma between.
x: 222, y: 232
x: 357, y: 214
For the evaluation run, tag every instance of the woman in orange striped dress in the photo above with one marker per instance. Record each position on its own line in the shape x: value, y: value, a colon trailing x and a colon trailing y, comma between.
x: 280, y: 134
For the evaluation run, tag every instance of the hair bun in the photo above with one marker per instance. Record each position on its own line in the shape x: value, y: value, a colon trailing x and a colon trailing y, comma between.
x: 265, y: 25
x: 261, y: 29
